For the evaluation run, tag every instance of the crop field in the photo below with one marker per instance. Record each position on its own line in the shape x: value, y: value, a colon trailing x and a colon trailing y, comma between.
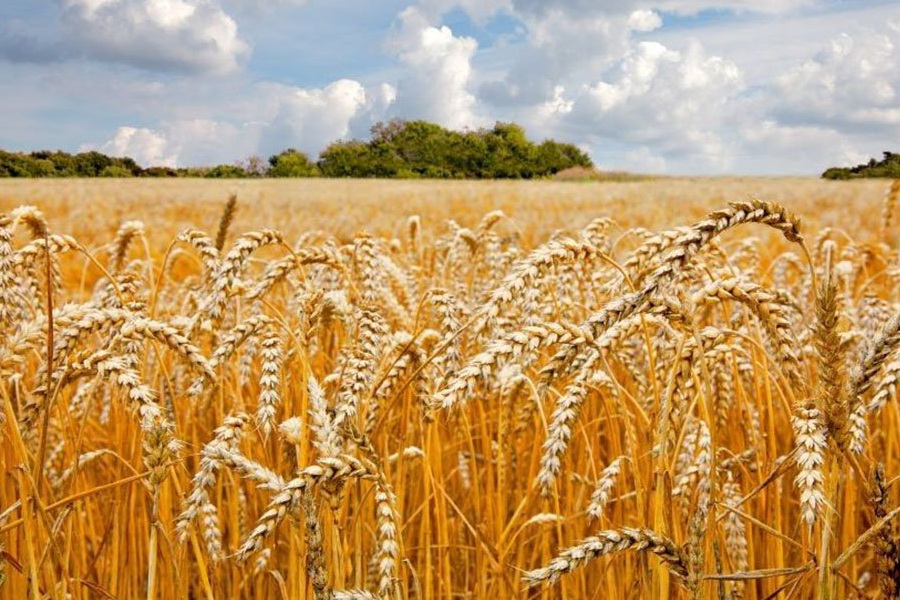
x: 676, y: 388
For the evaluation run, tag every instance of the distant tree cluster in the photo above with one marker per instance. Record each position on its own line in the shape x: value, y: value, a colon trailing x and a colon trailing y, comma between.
x: 62, y: 164
x: 889, y: 167
x: 397, y: 149
x: 413, y: 149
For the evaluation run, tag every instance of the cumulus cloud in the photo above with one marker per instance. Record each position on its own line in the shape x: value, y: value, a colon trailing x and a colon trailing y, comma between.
x: 189, y: 142
x: 644, y: 21
x: 310, y: 119
x: 254, y: 118
x: 147, y: 147
x: 852, y: 83
x: 183, y: 35
x: 435, y: 84
x: 566, y: 43
x: 769, y: 146
x: 608, y: 76
x: 677, y: 102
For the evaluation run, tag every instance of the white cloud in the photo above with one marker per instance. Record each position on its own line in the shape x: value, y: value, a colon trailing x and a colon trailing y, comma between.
x: 183, y: 143
x: 770, y: 146
x: 565, y: 43
x: 229, y: 119
x: 644, y: 21
x: 854, y: 82
x: 182, y: 35
x: 435, y: 83
x: 765, y: 91
x: 677, y: 102
x: 310, y: 119
x: 147, y: 147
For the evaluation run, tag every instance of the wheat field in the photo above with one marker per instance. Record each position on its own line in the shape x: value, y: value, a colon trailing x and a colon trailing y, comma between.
x: 680, y: 388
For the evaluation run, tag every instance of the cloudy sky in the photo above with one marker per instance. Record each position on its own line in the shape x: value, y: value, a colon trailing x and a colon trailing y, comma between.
x: 669, y: 86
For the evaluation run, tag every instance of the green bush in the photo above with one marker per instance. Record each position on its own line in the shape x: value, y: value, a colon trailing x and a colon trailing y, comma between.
x: 889, y: 167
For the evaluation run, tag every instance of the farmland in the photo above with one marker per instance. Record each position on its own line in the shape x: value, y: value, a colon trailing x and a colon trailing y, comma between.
x: 676, y: 388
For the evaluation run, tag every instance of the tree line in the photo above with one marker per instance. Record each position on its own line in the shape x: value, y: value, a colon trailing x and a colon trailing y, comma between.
x: 889, y: 166
x: 396, y: 149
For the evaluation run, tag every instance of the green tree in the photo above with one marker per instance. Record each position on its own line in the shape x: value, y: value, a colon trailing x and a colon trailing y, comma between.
x: 91, y: 164
x: 347, y: 159
x: 226, y: 172
x: 116, y: 171
x: 421, y: 149
x: 291, y: 163
x: 159, y: 172
x: 888, y: 166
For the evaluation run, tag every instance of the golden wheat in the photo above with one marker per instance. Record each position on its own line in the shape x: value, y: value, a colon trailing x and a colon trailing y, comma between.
x: 441, y: 405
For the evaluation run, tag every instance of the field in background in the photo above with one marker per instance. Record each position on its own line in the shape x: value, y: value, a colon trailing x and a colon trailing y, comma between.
x: 568, y: 398
x: 93, y: 208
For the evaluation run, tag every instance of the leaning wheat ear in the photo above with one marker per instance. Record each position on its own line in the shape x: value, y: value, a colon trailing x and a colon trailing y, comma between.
x: 225, y: 221
x: 610, y: 542
x: 119, y: 248
x: 286, y: 501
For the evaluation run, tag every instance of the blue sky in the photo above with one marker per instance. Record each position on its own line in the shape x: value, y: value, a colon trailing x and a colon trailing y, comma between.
x: 668, y: 86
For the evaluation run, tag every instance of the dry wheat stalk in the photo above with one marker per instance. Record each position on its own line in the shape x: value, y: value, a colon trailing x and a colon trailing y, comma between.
x: 511, y: 346
x: 358, y: 372
x: 204, y: 245
x: 269, y: 383
x: 845, y: 425
x: 229, y: 269
x: 735, y: 530
x: 225, y: 221
x: 316, y: 570
x: 526, y: 271
x: 33, y: 219
x: 198, y: 503
x: 279, y: 271
x: 563, y: 419
x: 354, y: 595
x: 119, y: 247
x: 600, y: 495
x: 9, y: 299
x: 810, y: 433
x: 886, y: 543
x: 771, y: 313
x: 674, y: 262
x: 610, y: 542
x: 333, y: 469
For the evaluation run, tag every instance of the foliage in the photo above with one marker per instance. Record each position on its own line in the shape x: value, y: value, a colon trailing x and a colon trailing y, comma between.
x: 45, y: 163
x: 397, y: 150
x: 291, y: 163
x: 889, y: 166
x: 227, y: 172
x: 418, y: 149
